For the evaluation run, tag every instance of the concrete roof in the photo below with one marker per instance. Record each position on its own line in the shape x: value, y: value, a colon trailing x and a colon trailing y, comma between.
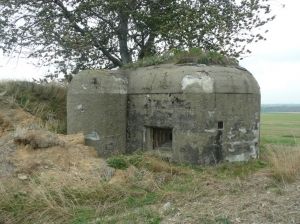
x: 170, y: 78
x: 166, y: 78
x: 99, y: 81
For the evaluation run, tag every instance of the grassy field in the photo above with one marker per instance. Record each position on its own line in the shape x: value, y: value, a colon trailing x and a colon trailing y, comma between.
x: 280, y: 128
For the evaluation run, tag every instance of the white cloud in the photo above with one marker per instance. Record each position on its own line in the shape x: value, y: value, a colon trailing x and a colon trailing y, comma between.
x: 19, y: 69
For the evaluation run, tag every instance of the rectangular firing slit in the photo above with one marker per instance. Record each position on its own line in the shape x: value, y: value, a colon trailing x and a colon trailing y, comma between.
x: 220, y: 125
x: 162, y: 138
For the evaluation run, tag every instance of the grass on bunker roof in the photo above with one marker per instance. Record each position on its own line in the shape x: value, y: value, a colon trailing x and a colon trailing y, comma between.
x: 194, y: 56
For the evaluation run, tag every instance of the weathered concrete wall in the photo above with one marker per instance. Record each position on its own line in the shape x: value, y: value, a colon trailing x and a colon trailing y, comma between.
x: 185, y: 114
x: 207, y: 114
x: 193, y: 101
x: 241, y: 112
x: 97, y: 106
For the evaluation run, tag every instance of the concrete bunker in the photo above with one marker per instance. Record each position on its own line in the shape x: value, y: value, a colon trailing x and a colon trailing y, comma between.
x: 199, y: 114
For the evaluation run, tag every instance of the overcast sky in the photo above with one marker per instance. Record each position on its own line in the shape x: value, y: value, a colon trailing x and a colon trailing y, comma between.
x: 275, y: 63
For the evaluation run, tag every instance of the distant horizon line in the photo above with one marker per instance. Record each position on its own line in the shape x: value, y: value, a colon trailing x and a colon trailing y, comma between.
x: 281, y: 104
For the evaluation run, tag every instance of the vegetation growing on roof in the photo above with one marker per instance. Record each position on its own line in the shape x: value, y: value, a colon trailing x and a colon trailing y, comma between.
x: 194, y: 56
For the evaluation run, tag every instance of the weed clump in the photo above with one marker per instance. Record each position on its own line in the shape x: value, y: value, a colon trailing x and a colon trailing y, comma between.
x: 143, y: 161
x: 284, y: 162
x: 118, y: 162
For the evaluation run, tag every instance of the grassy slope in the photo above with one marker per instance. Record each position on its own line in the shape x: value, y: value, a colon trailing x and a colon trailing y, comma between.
x: 46, y: 102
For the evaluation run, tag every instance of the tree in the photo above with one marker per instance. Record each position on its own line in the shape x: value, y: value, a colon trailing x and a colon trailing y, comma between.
x: 81, y: 34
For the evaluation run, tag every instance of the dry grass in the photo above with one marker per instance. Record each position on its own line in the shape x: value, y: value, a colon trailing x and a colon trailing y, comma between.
x: 149, y: 161
x: 69, y: 191
x: 67, y: 196
x: 155, y: 164
x: 5, y: 125
x: 48, y: 200
x: 284, y: 161
x: 36, y: 138
x: 46, y: 102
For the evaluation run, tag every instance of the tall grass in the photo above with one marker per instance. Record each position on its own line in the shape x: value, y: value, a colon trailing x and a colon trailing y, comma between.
x: 67, y: 198
x: 47, y: 101
x: 133, y: 195
x: 41, y: 202
x: 284, y: 161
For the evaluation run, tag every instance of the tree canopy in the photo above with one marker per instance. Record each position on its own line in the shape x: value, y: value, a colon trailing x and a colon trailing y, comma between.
x: 82, y: 34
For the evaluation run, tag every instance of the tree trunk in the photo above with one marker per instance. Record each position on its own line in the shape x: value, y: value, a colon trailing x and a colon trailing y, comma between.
x: 123, y: 38
x: 148, y: 49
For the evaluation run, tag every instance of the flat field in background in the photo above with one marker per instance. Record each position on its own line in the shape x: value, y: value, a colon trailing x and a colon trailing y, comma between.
x: 280, y: 128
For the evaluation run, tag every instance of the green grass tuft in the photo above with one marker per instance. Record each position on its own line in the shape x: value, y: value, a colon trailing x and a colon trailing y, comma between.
x: 147, y: 199
x: 239, y: 169
x: 118, y: 162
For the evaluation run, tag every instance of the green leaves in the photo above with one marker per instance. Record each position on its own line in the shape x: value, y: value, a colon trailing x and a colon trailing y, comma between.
x: 91, y: 34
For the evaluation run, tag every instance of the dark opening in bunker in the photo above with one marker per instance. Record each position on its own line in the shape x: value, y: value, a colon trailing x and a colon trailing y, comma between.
x: 162, y: 138
x: 220, y: 125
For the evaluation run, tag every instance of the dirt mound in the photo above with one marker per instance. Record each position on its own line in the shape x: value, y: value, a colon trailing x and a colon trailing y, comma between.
x: 4, y: 125
x: 28, y: 149
x: 37, y: 138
